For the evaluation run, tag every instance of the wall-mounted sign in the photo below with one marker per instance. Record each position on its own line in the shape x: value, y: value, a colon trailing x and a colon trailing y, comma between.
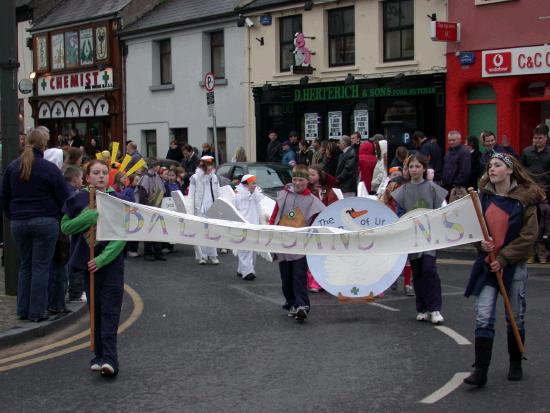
x: 79, y: 82
x: 302, y: 56
x: 361, y: 121
x: 25, y: 86
x: 445, y: 31
x: 467, y: 58
x: 265, y: 20
x: 311, y: 125
x: 335, y: 125
x: 41, y: 53
x: 71, y: 49
x: 101, y: 42
x: 517, y: 61
x: 86, y: 47
x: 316, y: 94
x: 58, y: 51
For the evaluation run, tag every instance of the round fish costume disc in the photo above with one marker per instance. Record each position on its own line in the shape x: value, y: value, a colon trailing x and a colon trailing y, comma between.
x: 356, y: 275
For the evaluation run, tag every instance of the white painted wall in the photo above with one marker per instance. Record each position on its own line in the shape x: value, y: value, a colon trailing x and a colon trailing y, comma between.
x: 185, y: 105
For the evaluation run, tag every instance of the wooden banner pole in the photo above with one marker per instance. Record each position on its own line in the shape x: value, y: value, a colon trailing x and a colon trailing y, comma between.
x: 498, y: 274
x: 91, y: 298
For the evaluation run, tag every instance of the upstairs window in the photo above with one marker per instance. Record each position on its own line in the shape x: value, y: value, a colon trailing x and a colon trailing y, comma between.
x: 217, y: 59
x: 398, y: 16
x: 165, y: 51
x: 341, y: 37
x: 288, y: 27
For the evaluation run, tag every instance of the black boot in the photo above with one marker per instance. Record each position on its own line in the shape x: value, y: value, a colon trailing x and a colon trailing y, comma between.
x: 515, y: 373
x: 483, y: 348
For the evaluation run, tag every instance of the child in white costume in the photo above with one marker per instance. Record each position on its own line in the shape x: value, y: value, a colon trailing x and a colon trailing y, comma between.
x: 247, y: 201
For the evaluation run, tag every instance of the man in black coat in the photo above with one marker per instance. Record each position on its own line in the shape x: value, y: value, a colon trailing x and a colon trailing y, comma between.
x: 274, y: 148
x: 431, y: 151
x: 347, y: 171
x: 456, y: 166
x: 190, y: 160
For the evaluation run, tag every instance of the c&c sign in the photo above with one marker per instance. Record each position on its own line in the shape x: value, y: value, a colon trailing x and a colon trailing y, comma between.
x: 518, y: 61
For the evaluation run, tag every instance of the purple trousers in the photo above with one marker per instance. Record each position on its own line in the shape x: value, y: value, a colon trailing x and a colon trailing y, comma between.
x: 427, y: 285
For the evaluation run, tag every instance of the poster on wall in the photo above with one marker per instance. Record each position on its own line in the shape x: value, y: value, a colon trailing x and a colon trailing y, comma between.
x: 58, y: 51
x: 335, y: 125
x: 71, y: 49
x: 101, y: 42
x: 41, y: 53
x: 311, y: 126
x: 86, y: 47
x: 361, y: 121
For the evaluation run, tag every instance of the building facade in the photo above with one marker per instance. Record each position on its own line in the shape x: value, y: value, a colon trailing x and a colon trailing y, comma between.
x: 499, y: 74
x: 77, y: 59
x: 169, y: 52
x: 372, y: 67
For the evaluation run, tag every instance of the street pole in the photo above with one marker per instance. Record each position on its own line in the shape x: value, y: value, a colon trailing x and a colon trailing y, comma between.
x: 215, y: 134
x: 9, y: 126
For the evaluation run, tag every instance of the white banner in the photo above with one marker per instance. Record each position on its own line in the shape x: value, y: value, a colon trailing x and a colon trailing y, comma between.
x: 455, y: 224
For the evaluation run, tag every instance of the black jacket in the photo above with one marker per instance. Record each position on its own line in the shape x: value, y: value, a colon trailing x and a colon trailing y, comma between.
x: 274, y: 151
x: 538, y: 164
x: 190, y: 165
x: 346, y: 172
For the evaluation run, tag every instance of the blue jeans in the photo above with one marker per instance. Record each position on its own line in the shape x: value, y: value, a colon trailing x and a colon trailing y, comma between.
x: 35, y: 239
x: 485, y: 305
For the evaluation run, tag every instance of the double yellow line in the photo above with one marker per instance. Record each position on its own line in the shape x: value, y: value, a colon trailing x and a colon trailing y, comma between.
x: 36, y: 356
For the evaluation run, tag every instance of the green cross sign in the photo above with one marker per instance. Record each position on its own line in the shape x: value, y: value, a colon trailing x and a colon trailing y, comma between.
x: 355, y: 290
x: 43, y: 84
x: 105, y: 77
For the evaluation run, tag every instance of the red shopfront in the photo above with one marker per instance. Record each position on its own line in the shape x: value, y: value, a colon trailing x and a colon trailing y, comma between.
x: 506, y: 91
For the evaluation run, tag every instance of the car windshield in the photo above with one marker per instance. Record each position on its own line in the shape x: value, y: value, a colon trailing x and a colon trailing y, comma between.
x: 268, y: 178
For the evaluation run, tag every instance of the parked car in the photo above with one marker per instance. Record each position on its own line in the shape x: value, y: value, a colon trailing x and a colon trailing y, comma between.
x: 271, y: 177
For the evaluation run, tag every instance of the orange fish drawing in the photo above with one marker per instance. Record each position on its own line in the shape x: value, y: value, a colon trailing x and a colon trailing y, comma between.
x: 356, y: 214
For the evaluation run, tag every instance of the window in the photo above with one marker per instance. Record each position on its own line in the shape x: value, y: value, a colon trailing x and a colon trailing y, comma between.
x: 398, y: 16
x: 482, y: 110
x: 217, y: 55
x: 180, y: 135
x: 165, y: 50
x: 341, y: 37
x: 288, y: 27
x: 150, y: 138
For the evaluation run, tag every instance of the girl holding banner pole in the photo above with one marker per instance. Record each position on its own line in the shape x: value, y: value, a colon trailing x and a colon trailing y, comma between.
x: 108, y: 266
x: 421, y: 193
x: 508, y: 198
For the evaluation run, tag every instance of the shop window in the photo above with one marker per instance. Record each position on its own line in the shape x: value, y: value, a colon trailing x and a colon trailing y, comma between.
x: 341, y: 36
x: 217, y: 59
x: 536, y: 90
x: 288, y: 27
x: 150, y: 142
x: 221, y: 151
x: 482, y: 110
x: 398, y: 26
x: 165, y: 59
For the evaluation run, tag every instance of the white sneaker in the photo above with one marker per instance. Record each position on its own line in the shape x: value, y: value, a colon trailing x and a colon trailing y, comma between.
x: 133, y: 254
x: 436, y: 317
x: 422, y: 317
x: 107, y: 370
x: 214, y: 260
x: 202, y: 261
x: 95, y: 367
x: 83, y: 298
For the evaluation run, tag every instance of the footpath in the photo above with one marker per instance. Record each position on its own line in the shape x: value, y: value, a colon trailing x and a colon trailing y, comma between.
x: 14, y: 331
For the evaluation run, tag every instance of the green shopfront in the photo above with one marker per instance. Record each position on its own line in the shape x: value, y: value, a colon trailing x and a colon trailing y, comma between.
x: 395, y: 107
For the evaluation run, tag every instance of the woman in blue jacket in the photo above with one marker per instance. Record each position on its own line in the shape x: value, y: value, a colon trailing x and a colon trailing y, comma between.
x: 33, y: 193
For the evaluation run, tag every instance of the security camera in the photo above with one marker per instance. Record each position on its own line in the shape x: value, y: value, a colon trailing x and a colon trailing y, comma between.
x: 248, y: 21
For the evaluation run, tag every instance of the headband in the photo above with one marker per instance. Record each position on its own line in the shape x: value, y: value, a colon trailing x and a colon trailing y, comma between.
x: 248, y: 179
x: 300, y: 173
x: 504, y: 158
x: 395, y: 169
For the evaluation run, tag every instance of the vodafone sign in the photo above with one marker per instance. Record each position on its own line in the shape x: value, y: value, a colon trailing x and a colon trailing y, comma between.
x: 518, y: 61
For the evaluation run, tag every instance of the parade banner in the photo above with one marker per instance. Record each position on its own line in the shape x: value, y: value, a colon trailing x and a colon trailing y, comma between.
x: 454, y: 224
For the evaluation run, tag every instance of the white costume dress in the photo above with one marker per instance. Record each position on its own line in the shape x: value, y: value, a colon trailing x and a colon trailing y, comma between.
x: 248, y: 204
x: 203, y: 191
